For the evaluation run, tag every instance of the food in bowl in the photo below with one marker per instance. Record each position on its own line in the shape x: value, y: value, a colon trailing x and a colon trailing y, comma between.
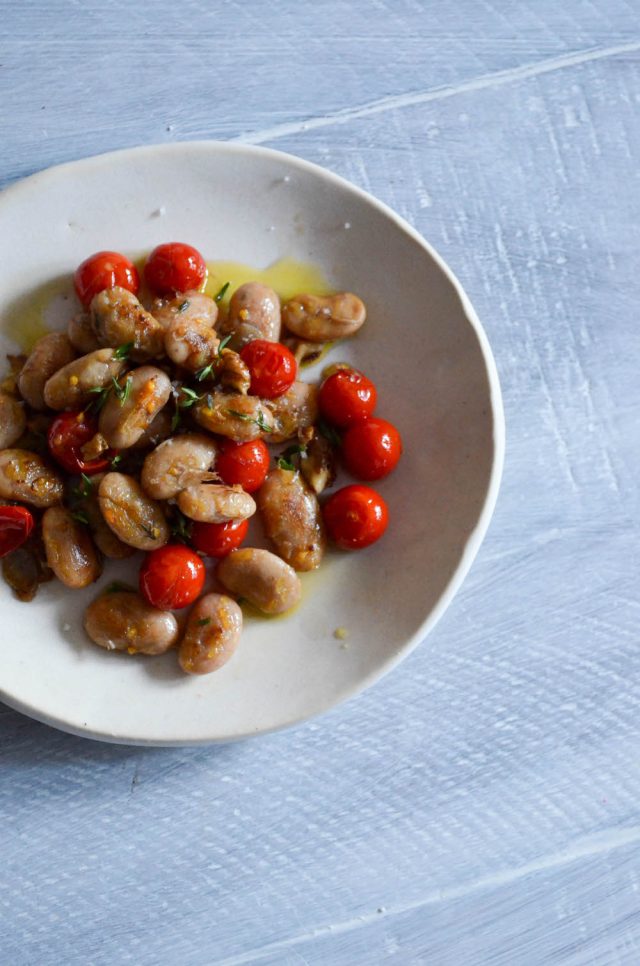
x: 148, y: 426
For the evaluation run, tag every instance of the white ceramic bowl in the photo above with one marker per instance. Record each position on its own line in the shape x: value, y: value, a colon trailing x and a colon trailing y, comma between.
x: 422, y: 344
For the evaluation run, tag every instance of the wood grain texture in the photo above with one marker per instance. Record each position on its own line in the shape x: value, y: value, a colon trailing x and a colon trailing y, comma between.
x: 480, y: 805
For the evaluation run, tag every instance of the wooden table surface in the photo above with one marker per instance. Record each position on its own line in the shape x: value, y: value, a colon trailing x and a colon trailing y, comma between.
x: 482, y: 803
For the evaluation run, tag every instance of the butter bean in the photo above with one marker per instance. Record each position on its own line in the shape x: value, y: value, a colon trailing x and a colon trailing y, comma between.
x: 70, y: 387
x: 237, y: 417
x: 122, y: 422
x: 189, y: 306
x: 118, y: 318
x: 292, y: 519
x: 134, y: 518
x: 254, y: 313
x: 317, y: 318
x: 81, y: 334
x: 191, y: 343
x: 49, y: 354
x: 263, y: 579
x: 177, y: 463
x: 103, y: 536
x: 13, y: 420
x: 293, y: 411
x: 123, y: 621
x: 213, y: 503
x: 69, y: 549
x: 26, y: 477
x: 212, y: 634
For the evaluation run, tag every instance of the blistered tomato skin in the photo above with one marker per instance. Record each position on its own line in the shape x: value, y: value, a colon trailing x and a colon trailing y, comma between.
x: 218, y: 539
x: 104, y: 270
x: 67, y: 435
x: 16, y: 523
x: 174, y: 267
x: 346, y: 397
x: 246, y: 464
x: 371, y: 448
x: 272, y: 367
x: 172, y: 577
x: 355, y: 517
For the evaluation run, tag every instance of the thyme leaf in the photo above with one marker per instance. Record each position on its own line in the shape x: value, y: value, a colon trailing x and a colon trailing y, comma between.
x: 84, y: 489
x: 224, y: 343
x: 329, y: 433
x: 259, y: 420
x: 181, y: 527
x: 204, y: 373
x: 122, y: 392
x: 221, y: 294
x: 122, y: 352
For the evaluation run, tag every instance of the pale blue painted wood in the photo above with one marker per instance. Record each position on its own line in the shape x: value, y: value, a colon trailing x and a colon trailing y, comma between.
x: 480, y: 805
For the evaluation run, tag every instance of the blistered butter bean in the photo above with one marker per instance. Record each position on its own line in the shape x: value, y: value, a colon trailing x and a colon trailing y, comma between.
x: 260, y: 577
x: 103, y: 536
x: 70, y: 551
x: 13, y: 420
x: 189, y: 306
x: 128, y: 413
x: 293, y: 411
x: 191, y: 343
x: 237, y: 417
x: 214, y: 503
x: 134, y: 517
x: 26, y: 477
x: 177, y: 463
x: 118, y: 319
x: 81, y: 334
x: 212, y: 634
x: 49, y: 355
x: 254, y: 313
x: 292, y: 519
x: 72, y: 386
x: 317, y: 318
x: 123, y: 621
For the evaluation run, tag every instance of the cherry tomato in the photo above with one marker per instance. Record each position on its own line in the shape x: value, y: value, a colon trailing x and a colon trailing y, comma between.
x: 175, y: 267
x: 218, y: 539
x: 272, y: 366
x: 371, y: 448
x: 67, y: 435
x: 243, y: 463
x: 355, y: 516
x: 347, y: 396
x: 104, y: 270
x: 16, y: 523
x: 172, y: 577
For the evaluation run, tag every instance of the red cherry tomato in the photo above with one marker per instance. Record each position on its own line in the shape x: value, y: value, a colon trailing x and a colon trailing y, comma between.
x: 355, y: 516
x: 347, y: 396
x: 172, y: 577
x: 174, y: 267
x: 218, y: 539
x: 16, y: 523
x: 104, y: 270
x: 272, y: 366
x: 243, y: 463
x: 371, y: 448
x: 67, y: 435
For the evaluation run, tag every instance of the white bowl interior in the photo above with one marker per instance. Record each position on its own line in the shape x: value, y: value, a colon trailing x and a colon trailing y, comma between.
x: 437, y: 383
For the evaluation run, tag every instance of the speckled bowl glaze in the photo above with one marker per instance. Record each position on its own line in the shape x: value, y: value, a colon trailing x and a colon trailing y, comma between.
x: 422, y: 344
